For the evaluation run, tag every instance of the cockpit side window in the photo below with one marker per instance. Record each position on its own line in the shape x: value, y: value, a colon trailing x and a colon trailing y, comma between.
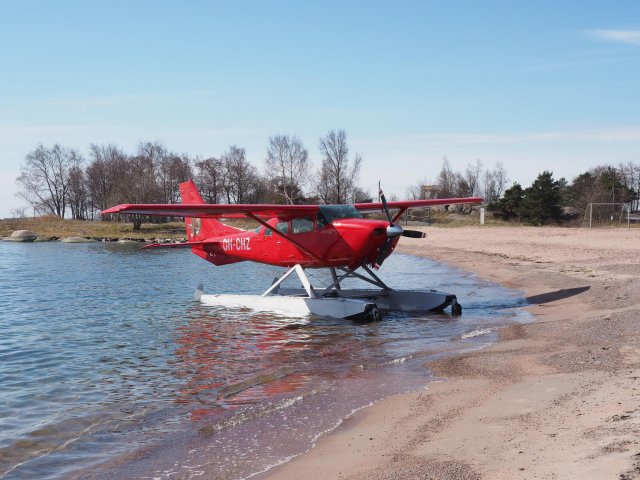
x: 302, y: 225
x: 283, y: 227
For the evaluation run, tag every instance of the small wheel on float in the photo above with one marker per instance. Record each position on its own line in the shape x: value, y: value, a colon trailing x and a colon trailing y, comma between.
x: 456, y: 309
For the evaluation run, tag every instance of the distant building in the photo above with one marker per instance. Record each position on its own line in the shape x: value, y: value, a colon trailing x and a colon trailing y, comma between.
x: 429, y: 191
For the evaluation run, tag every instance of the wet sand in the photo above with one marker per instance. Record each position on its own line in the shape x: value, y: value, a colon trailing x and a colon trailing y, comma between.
x: 555, y: 399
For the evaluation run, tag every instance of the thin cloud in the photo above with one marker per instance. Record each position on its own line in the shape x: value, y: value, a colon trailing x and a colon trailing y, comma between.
x: 623, y: 134
x: 119, y: 100
x: 630, y: 37
x: 620, y: 134
x: 219, y: 132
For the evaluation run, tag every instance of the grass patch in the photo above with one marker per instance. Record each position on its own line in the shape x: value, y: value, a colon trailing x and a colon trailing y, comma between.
x: 51, y: 226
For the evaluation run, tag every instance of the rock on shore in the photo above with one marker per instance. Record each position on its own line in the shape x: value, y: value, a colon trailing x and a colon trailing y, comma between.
x: 21, y: 236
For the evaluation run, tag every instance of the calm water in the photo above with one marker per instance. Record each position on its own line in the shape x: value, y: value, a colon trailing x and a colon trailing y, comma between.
x: 109, y: 368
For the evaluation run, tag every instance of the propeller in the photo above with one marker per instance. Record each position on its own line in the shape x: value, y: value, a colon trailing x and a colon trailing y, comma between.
x: 393, y: 231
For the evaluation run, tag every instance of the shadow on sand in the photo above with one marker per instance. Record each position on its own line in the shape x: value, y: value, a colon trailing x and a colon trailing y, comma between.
x: 556, y: 295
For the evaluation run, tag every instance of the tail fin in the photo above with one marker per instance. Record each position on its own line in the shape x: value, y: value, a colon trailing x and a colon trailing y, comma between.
x: 201, y: 228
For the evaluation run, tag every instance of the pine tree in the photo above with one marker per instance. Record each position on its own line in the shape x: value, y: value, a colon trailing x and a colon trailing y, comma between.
x: 509, y: 205
x: 541, y: 203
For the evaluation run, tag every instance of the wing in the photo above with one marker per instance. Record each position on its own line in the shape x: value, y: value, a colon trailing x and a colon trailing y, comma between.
x: 266, y: 211
x: 405, y: 204
x: 215, y: 211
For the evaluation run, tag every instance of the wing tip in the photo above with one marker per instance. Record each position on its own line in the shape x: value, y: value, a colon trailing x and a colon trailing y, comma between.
x: 116, y: 209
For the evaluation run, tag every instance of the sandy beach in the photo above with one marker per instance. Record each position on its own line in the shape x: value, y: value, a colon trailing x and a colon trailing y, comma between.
x: 555, y: 399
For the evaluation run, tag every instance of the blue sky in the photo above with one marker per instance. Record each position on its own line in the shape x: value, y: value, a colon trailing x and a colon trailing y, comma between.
x: 538, y: 85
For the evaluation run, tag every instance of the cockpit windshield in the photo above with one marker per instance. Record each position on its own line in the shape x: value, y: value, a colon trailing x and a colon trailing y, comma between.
x: 329, y: 213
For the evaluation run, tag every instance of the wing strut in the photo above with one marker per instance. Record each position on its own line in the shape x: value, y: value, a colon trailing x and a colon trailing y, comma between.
x: 399, y: 214
x: 286, y: 237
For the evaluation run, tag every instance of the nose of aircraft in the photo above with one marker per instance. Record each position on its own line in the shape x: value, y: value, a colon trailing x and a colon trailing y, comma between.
x: 368, y: 237
x: 363, y: 233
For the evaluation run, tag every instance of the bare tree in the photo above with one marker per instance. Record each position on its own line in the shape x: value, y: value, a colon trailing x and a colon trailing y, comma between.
x: 138, y: 185
x: 494, y: 182
x: 414, y: 192
x: 472, y: 177
x: 417, y: 191
x: 172, y: 170
x: 490, y: 187
x: 462, y: 186
x: 500, y: 177
x: 323, y: 186
x: 337, y: 177
x: 359, y: 195
x: 240, y: 175
x: 635, y: 184
x: 78, y: 198
x: 447, y: 179
x: 287, y: 166
x: 105, y: 170
x: 210, y: 178
x: 19, y: 212
x: 154, y: 155
x: 472, y: 182
x: 45, y: 178
x: 629, y: 174
x: 259, y: 191
x: 154, y: 151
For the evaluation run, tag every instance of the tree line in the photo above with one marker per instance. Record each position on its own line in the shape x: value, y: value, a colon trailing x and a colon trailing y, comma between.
x: 546, y: 200
x: 58, y: 180
x: 551, y: 201
x: 474, y: 181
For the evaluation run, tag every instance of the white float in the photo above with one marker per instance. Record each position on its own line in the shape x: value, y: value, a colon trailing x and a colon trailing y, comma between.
x: 334, y: 301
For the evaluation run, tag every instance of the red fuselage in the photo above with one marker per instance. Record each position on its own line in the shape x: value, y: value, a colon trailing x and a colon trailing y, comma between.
x: 312, y: 243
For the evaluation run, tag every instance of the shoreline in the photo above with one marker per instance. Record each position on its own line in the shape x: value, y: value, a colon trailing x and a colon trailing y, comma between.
x: 53, y: 229
x: 557, y: 398
x: 89, y: 239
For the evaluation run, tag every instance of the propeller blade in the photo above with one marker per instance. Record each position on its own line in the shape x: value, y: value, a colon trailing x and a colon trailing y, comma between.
x: 413, y: 234
x: 393, y: 231
x: 386, y: 207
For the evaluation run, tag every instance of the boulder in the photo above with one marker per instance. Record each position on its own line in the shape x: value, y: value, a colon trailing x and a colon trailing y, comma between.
x: 77, y: 240
x: 21, y: 236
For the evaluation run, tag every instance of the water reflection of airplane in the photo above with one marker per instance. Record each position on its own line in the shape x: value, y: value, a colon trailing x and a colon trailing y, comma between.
x: 218, y: 374
x: 262, y: 357
x: 336, y: 237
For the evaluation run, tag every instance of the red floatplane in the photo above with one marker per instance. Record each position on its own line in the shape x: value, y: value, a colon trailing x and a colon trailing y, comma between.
x: 300, y: 237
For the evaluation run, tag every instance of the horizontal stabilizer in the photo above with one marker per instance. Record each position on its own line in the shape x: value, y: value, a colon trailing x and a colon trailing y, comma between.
x: 179, y: 245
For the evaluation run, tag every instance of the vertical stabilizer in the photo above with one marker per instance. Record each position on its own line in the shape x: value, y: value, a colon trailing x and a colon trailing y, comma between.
x: 199, y: 229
